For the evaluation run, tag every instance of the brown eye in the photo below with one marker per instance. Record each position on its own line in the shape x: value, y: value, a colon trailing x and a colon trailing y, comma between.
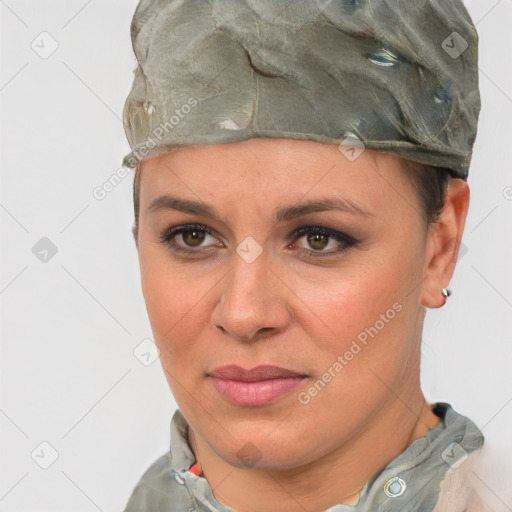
x: 193, y: 237
x: 318, y: 238
x: 318, y: 241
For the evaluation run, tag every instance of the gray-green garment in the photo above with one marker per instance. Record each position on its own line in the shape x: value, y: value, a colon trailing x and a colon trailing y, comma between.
x: 409, y: 483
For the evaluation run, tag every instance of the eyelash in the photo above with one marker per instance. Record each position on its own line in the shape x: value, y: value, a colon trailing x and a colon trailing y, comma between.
x: 168, y: 236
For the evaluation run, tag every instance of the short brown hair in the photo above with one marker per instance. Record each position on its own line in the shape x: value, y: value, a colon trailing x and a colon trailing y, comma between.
x: 431, y: 184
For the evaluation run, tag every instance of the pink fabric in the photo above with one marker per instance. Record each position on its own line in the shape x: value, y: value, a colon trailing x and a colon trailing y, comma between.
x: 462, y: 491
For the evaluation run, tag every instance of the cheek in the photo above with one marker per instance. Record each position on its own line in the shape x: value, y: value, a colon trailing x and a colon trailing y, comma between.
x: 367, y: 315
x: 347, y: 301
x: 175, y: 299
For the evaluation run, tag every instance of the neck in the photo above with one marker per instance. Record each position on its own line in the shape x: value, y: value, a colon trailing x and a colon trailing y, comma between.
x: 334, y: 479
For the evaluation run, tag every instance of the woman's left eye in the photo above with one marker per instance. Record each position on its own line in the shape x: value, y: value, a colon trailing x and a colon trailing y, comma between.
x: 317, y: 237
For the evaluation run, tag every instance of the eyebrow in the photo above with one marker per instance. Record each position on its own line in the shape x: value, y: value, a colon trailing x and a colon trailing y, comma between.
x: 167, y: 202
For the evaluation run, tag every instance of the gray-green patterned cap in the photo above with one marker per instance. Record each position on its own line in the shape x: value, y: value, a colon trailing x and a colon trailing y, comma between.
x: 399, y: 76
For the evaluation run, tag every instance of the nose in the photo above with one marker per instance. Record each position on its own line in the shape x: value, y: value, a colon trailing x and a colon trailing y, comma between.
x: 253, y: 301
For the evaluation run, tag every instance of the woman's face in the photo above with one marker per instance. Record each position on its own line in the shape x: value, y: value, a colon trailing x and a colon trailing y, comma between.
x: 338, y: 312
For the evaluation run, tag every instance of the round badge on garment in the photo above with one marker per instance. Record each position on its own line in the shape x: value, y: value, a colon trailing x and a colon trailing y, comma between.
x: 394, y: 487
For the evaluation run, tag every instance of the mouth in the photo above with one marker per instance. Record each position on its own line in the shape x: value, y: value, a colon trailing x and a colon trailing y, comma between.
x: 255, y: 387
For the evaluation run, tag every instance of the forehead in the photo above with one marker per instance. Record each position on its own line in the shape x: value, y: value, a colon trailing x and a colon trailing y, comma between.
x: 273, y: 170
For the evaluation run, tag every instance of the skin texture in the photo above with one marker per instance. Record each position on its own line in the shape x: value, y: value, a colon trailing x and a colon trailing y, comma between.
x: 296, y: 312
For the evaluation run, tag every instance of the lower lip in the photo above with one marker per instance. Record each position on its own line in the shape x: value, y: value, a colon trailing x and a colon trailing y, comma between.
x: 252, y: 394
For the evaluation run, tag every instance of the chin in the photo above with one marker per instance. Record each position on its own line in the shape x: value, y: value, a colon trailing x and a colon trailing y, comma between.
x: 267, y: 438
x: 264, y: 458
x: 263, y: 447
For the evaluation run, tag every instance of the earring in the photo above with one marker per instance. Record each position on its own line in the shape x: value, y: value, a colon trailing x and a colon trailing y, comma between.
x: 445, y: 293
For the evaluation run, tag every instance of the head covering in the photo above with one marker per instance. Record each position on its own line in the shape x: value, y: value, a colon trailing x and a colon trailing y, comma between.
x: 398, y: 76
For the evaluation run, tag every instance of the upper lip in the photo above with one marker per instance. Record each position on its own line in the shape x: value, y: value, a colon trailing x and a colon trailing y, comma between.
x: 263, y: 372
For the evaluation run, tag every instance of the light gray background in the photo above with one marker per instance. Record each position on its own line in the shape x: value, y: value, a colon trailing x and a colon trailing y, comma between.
x: 70, y: 325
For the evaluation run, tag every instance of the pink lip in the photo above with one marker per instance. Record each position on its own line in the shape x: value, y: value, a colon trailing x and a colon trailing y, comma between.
x: 258, y: 386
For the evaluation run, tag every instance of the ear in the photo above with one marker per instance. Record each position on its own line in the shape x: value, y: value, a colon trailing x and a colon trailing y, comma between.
x: 135, y: 232
x: 443, y: 243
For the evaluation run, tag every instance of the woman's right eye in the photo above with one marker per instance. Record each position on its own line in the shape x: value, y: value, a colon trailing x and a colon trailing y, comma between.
x: 192, y: 235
